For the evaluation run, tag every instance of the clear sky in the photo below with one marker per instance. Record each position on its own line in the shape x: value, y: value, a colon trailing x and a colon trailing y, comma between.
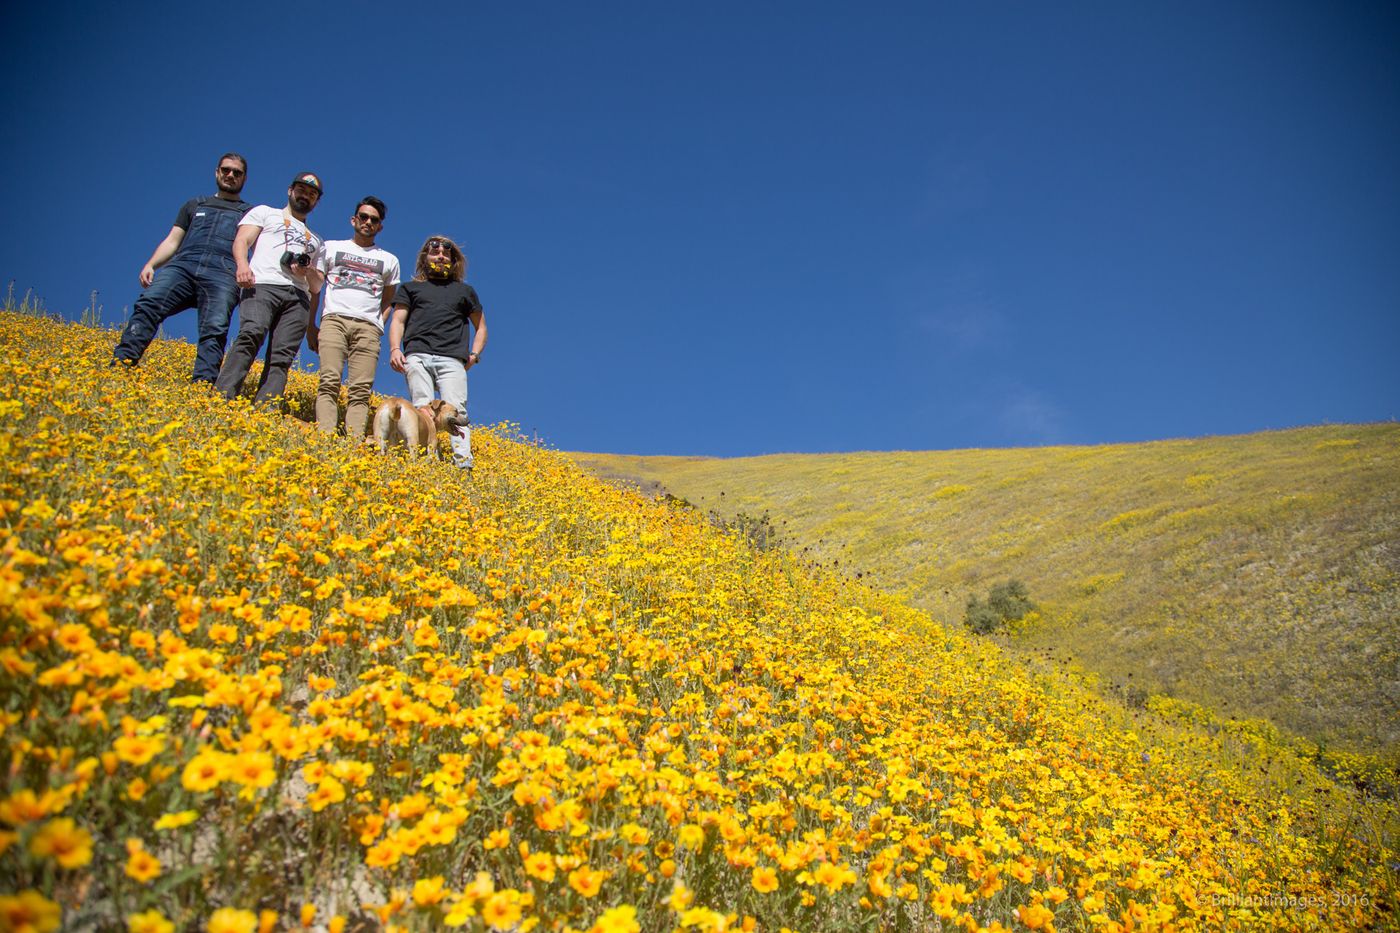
x: 743, y: 228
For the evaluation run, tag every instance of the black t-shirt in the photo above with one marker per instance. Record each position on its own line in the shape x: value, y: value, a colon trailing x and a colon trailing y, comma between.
x: 213, y: 202
x: 438, y: 317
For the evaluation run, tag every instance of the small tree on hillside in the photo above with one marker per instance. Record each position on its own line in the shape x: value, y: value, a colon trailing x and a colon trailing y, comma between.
x: 758, y: 530
x: 1006, y: 603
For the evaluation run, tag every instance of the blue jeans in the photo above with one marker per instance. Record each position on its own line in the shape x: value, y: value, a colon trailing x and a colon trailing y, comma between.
x: 448, y: 375
x: 200, y: 276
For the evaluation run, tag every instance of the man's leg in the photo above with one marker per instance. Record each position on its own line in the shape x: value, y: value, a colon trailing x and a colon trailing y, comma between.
x: 170, y: 292
x: 255, y: 317
x: 217, y: 298
x: 363, y: 358
x: 419, y: 376
x: 334, y: 340
x: 451, y: 376
x: 288, y: 331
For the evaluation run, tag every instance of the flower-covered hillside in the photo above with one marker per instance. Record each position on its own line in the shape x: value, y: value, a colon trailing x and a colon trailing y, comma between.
x: 259, y: 678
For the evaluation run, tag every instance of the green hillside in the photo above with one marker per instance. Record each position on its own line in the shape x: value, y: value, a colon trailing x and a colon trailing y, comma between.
x: 1256, y: 575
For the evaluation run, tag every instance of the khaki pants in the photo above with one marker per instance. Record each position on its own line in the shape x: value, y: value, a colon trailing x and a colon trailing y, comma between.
x: 346, y: 340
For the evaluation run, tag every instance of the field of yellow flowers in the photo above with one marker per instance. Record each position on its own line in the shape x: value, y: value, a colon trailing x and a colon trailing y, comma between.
x: 255, y: 678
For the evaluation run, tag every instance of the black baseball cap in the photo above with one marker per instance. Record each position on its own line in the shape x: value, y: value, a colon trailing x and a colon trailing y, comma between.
x: 310, y: 180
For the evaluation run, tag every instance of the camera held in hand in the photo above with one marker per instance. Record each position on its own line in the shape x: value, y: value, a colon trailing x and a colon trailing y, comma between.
x: 291, y: 260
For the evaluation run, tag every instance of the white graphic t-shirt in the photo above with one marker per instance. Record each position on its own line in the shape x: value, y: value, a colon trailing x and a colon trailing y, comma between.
x: 281, y: 233
x: 356, y: 277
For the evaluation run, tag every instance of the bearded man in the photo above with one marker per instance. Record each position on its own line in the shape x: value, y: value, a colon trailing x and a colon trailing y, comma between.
x: 437, y: 334
x: 280, y: 280
x: 193, y: 268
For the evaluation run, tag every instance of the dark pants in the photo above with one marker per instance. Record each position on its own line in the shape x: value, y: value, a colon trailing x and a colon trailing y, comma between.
x: 279, y: 314
x: 183, y: 283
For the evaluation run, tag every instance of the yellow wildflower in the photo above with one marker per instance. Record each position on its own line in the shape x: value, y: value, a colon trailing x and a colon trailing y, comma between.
x: 138, y: 749
x: 540, y: 865
x: 64, y: 841
x: 205, y: 770
x: 140, y: 864
x: 586, y: 881
x: 501, y: 910
x: 149, y: 921
x: 29, y: 911
x: 621, y: 919
x: 1036, y: 917
x: 429, y: 891
x: 177, y: 820
x: 232, y: 920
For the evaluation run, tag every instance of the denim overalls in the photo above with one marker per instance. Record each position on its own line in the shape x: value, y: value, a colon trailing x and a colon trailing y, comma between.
x: 201, y: 274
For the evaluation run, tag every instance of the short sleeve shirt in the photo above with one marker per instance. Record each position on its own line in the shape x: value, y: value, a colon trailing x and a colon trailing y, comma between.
x: 280, y: 233
x: 439, y: 317
x: 356, y: 278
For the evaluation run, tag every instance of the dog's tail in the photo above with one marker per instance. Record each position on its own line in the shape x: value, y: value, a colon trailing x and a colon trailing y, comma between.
x: 395, y: 413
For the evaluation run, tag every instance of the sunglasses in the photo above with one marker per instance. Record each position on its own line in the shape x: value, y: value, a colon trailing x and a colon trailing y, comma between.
x: 368, y: 219
x: 235, y: 172
x: 440, y: 246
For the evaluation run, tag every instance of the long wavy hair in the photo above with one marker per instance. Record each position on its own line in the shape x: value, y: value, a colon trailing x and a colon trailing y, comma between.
x: 459, y: 260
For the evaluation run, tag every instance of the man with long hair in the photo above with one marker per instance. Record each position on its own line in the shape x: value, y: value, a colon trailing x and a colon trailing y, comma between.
x: 438, y: 332
x: 193, y: 268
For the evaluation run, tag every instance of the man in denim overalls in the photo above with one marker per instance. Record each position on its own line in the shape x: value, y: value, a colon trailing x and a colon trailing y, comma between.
x: 193, y: 267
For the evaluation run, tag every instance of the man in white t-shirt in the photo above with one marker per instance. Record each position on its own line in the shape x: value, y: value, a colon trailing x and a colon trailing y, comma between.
x: 360, y: 282
x: 278, y: 284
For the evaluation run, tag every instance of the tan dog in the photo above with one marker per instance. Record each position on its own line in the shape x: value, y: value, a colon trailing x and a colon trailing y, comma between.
x: 397, y: 421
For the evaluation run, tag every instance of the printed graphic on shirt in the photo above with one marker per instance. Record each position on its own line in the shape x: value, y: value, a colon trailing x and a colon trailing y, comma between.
x: 358, y: 272
x: 280, y: 234
x: 299, y: 240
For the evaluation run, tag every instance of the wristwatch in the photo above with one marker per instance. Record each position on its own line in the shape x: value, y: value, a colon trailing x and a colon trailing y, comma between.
x: 475, y: 354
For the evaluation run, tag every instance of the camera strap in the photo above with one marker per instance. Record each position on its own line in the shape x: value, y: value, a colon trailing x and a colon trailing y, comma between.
x: 286, y: 229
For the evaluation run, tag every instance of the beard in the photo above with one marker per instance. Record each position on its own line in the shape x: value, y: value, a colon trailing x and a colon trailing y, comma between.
x: 231, y: 185
x: 301, y: 203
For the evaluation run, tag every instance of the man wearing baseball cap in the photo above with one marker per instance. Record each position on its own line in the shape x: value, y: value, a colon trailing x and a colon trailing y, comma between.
x: 278, y: 284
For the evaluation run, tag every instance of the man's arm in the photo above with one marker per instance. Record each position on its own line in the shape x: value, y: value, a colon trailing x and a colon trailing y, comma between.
x: 313, y: 331
x: 161, y: 256
x: 396, y: 357
x: 315, y: 280
x: 386, y: 302
x: 478, y: 319
x: 242, y: 242
x: 313, y: 277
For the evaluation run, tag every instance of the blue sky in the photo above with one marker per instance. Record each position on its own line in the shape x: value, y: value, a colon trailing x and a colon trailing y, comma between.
x: 734, y: 229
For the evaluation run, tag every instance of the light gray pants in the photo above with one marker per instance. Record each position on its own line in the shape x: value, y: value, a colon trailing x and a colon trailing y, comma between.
x: 447, y: 375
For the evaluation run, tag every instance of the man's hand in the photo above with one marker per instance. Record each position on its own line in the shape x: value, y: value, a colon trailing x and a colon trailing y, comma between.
x: 245, y: 275
x: 313, y: 337
x: 164, y: 253
x: 397, y: 362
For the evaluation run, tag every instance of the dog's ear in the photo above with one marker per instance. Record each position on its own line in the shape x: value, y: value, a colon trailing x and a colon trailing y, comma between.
x: 436, y: 406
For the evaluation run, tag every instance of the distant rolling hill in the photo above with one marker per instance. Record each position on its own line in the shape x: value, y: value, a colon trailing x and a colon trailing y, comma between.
x: 1257, y: 575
